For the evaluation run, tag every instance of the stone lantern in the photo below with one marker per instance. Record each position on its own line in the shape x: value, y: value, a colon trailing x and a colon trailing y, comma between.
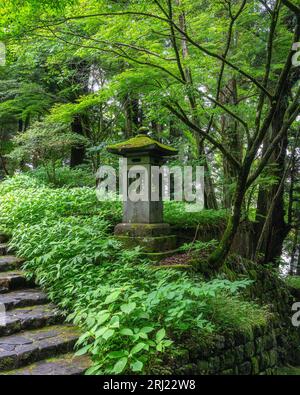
x: 143, y: 218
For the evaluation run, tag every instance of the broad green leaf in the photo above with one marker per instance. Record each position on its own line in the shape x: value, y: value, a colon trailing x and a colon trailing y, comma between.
x: 128, y: 308
x: 160, y: 335
x: 147, y: 329
x: 120, y: 365
x: 137, y: 348
x: 83, y: 350
x: 112, y: 297
x: 109, y: 333
x: 137, y: 366
x: 102, y: 318
x: 118, y: 354
x: 126, y: 332
x: 115, y: 322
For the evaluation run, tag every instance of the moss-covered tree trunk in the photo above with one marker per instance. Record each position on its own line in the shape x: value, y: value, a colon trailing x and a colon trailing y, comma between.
x: 217, y: 258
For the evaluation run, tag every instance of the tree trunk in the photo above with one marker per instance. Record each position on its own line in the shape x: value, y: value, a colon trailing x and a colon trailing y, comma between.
x: 217, y: 258
x: 133, y: 115
x: 77, y: 152
x: 271, y: 247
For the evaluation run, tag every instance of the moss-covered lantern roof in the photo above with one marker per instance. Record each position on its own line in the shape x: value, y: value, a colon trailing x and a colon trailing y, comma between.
x: 142, y: 144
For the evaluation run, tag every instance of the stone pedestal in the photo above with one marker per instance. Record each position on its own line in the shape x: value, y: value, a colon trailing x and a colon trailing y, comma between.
x: 154, y: 239
x: 142, y: 230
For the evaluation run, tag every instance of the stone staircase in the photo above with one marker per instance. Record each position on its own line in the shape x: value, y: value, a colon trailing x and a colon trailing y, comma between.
x: 34, y: 340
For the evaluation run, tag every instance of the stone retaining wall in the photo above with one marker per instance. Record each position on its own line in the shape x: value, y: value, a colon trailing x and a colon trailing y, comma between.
x: 258, y: 352
x: 232, y: 354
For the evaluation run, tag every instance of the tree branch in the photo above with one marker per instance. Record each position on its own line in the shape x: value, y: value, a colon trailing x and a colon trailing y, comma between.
x: 176, y: 27
x: 207, y: 136
x: 292, y: 113
x: 232, y: 114
x: 292, y: 6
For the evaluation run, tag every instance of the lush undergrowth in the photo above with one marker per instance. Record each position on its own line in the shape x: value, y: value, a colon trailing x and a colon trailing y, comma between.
x: 64, y: 177
x: 36, y: 192
x: 293, y: 281
x: 129, y: 312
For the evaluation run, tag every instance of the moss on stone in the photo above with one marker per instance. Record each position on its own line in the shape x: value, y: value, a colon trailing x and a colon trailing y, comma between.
x: 148, y: 243
x: 140, y: 143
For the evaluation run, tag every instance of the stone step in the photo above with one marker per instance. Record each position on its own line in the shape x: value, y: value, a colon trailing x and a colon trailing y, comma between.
x: 29, y: 318
x: 10, y: 262
x: 23, y: 298
x: 12, y: 281
x: 28, y: 347
x: 65, y: 365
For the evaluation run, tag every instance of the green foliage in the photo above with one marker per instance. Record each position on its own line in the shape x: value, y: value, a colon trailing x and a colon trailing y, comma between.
x: 23, y: 200
x: 293, y: 281
x: 232, y: 312
x: 175, y: 213
x: 199, y: 246
x: 65, y: 177
x: 129, y: 313
x: 45, y: 144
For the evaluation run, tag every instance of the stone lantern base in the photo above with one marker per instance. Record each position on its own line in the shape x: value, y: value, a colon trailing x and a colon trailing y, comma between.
x: 154, y: 239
